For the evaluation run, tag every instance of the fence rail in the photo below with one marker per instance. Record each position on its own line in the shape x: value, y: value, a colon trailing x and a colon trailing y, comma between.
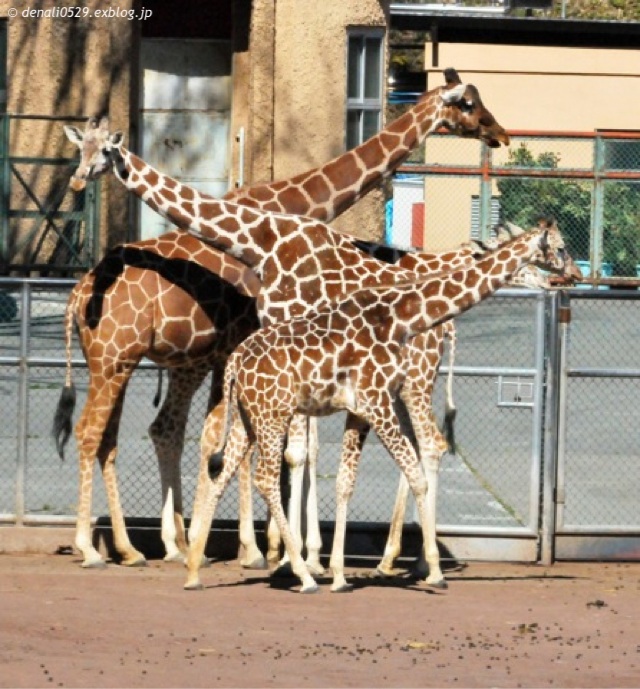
x: 590, y: 181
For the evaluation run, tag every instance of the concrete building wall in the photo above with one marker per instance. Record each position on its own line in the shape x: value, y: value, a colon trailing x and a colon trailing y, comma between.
x: 298, y: 103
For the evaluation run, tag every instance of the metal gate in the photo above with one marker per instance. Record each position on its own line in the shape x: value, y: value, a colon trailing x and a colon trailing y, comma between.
x: 598, y: 511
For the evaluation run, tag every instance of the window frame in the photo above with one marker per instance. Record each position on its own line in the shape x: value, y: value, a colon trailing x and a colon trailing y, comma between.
x: 361, y: 105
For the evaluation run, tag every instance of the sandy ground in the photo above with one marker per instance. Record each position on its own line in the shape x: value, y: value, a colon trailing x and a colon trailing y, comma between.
x: 498, y: 625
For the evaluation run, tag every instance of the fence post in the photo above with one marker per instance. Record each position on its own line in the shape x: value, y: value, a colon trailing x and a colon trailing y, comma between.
x: 5, y: 191
x: 556, y: 315
x: 597, y: 208
x: 23, y: 401
x: 484, y: 228
x: 92, y: 220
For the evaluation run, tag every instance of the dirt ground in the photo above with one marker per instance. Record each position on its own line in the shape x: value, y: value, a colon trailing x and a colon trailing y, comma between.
x: 498, y: 625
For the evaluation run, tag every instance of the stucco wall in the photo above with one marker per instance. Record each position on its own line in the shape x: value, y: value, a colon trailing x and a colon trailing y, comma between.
x: 289, y: 91
x: 59, y: 68
x: 309, y: 96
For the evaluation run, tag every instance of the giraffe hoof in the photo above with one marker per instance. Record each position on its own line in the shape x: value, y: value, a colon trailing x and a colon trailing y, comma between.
x: 175, y: 557
x: 383, y: 572
x: 310, y: 589
x: 315, y: 568
x: 440, y: 585
x: 257, y: 563
x: 94, y: 564
x: 137, y: 562
x: 197, y: 586
x: 343, y: 588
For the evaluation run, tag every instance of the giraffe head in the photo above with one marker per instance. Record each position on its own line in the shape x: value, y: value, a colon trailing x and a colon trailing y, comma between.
x: 550, y: 251
x: 462, y: 111
x: 96, y: 146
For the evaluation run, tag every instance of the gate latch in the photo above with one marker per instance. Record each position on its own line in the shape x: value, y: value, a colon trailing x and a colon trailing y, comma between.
x: 515, y: 392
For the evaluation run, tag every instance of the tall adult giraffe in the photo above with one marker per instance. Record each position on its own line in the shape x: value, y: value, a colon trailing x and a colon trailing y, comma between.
x: 323, y: 192
x: 349, y: 355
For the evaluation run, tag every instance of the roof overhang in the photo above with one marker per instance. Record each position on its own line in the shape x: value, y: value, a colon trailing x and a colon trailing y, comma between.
x: 451, y: 26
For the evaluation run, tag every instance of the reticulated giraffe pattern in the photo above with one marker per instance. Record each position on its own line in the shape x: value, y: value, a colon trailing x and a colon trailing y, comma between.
x: 347, y: 356
x: 322, y: 193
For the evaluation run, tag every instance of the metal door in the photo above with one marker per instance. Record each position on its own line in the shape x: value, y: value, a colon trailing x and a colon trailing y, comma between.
x: 185, y: 115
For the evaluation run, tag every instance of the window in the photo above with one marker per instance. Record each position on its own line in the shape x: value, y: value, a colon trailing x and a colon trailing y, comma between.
x: 475, y: 216
x: 364, y: 85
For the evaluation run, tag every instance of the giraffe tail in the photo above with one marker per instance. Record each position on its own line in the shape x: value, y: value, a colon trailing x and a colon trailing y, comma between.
x: 223, y: 414
x: 62, y: 419
x: 158, y: 395
x: 450, y: 408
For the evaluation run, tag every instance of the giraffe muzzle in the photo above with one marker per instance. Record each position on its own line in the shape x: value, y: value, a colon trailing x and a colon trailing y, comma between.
x: 77, y: 183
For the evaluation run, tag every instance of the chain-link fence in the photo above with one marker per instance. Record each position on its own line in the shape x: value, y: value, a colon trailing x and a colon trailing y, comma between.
x: 493, y: 495
x: 590, y: 182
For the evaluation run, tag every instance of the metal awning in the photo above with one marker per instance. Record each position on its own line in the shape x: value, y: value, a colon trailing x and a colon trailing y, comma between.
x: 457, y: 26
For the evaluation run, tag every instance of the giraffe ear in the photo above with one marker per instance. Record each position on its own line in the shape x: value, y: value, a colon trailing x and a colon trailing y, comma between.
x: 453, y: 95
x: 514, y: 230
x: 116, y: 138
x: 451, y: 76
x: 74, y: 135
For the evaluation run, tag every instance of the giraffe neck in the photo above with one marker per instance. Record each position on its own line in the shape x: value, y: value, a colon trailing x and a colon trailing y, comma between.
x: 417, y: 306
x: 300, y: 262
x: 326, y: 192
x: 241, y: 232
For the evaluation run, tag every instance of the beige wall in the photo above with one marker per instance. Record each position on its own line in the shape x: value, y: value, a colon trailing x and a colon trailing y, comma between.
x: 527, y: 88
x: 310, y: 92
x: 567, y: 89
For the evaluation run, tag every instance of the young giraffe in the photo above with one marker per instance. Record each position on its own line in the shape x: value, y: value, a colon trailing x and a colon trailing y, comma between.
x: 349, y: 355
x: 323, y: 193
x: 421, y: 364
x: 457, y: 106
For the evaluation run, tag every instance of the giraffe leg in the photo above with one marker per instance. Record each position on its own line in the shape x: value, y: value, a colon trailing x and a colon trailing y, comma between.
x: 295, y: 455
x: 96, y: 434
x: 314, y: 539
x: 422, y: 356
x: 353, y: 439
x: 252, y: 557
x: 167, y: 433
x: 302, y: 456
x: 271, y: 434
x: 235, y: 452
x: 393, y: 546
x: 402, y: 450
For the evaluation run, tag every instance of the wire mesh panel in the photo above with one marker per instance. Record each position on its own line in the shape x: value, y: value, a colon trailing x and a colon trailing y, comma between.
x: 491, y: 480
x: 488, y: 482
x: 599, y: 469
x: 491, y: 486
x: 10, y: 343
x: 8, y: 437
x: 589, y: 182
